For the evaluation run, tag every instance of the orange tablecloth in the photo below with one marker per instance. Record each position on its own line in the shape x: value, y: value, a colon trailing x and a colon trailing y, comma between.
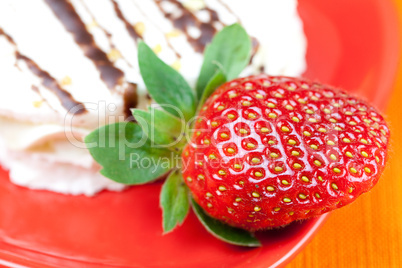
x: 367, y: 233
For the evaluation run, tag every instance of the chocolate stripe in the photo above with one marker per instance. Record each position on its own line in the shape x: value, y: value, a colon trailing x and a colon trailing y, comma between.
x: 105, y: 32
x: 130, y: 28
x: 146, y: 15
x: 43, y: 99
x: 187, y: 19
x: 130, y: 99
x: 67, y: 15
x: 50, y: 83
x: 8, y: 38
x: 66, y: 99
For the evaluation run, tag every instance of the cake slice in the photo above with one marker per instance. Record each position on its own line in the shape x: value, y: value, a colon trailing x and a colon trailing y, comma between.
x: 69, y: 67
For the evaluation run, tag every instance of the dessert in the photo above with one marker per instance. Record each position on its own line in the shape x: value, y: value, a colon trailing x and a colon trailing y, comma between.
x: 74, y: 68
x: 256, y: 153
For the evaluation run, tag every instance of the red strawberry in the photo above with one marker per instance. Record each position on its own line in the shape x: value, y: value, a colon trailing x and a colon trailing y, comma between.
x: 270, y: 150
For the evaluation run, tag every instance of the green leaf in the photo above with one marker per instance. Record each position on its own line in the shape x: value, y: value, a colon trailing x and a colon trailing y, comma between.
x: 126, y: 155
x: 165, y: 85
x: 218, y: 79
x: 231, y: 48
x: 174, y: 201
x: 164, y: 129
x: 223, y: 231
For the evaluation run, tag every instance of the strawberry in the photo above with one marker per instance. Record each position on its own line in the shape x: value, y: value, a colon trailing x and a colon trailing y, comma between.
x: 265, y: 150
x: 269, y: 150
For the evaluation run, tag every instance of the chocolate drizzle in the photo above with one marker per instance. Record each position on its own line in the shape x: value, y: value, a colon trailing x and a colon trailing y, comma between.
x: 8, y: 38
x: 67, y: 15
x: 107, y: 34
x: 130, y: 99
x: 66, y: 99
x: 43, y: 99
x: 130, y: 28
x: 50, y: 83
x: 187, y: 19
x: 158, y: 27
x: 214, y: 17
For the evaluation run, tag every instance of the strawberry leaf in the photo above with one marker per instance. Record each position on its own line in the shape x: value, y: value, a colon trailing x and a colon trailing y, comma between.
x: 165, y: 85
x: 223, y: 231
x: 164, y: 129
x: 126, y: 155
x: 174, y: 201
x: 218, y: 79
x: 231, y: 48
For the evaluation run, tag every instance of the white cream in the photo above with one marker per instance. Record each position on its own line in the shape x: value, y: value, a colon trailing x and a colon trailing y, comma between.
x: 40, y: 157
x: 42, y: 171
x: 27, y: 122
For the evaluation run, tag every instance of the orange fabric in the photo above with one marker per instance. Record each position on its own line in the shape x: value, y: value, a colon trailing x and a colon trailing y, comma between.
x: 367, y: 233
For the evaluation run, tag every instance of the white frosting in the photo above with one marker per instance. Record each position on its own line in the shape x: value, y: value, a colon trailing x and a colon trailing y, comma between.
x: 28, y: 124
x: 53, y: 172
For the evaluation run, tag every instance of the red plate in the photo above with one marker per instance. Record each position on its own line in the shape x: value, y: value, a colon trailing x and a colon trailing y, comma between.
x: 353, y: 44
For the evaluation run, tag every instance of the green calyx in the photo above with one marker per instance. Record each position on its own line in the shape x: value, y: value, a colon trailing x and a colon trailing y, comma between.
x: 142, y: 152
x: 162, y: 128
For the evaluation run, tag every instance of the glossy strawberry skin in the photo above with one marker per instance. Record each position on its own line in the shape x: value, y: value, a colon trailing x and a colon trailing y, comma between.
x: 270, y: 150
